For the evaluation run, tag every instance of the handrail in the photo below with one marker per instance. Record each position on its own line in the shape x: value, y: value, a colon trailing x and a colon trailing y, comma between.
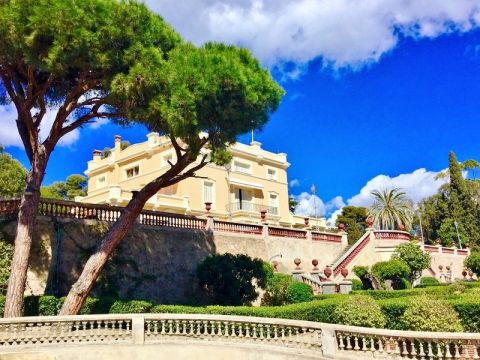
x: 328, y: 340
x: 283, y: 232
x: 350, y: 254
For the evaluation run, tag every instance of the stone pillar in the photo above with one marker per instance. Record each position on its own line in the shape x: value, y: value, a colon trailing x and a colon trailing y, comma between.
x: 118, y: 143
x: 138, y: 329
x: 329, y: 287
x: 210, y: 223
x: 329, y: 344
x: 345, y: 287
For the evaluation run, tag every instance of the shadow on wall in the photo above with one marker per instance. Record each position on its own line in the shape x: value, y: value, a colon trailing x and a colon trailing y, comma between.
x: 150, y: 263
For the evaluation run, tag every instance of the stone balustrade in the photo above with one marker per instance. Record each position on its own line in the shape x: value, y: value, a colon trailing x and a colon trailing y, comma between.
x: 318, y: 340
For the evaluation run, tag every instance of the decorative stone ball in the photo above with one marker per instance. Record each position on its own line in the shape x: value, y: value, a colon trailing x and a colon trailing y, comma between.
x: 464, y: 273
x: 341, y: 227
x: 401, y: 227
x: 315, y: 263
x: 440, y: 267
x: 369, y: 221
x: 275, y: 265
x: 327, y: 271
x: 470, y: 273
x: 344, y: 272
x: 448, y: 268
x: 437, y: 241
x: 297, y: 262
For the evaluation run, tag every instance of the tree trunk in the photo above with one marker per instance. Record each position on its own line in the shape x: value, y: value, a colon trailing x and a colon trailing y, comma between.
x: 23, y: 240
x: 80, y: 290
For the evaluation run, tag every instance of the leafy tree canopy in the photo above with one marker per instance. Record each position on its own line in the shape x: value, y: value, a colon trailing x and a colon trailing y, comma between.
x: 75, y: 185
x: 414, y: 257
x: 12, y: 176
x: 354, y: 218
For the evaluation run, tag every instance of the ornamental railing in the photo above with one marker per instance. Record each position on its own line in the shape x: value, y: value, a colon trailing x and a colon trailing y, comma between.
x: 392, y: 235
x: 77, y: 210
x: 226, y: 226
x: 326, y: 237
x: 290, y: 233
x: 319, y: 340
x: 250, y: 207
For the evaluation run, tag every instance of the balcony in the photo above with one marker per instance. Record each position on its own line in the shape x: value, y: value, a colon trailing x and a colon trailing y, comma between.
x: 250, y: 208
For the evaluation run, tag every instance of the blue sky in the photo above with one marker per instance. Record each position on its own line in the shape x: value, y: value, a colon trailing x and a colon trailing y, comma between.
x: 382, y: 113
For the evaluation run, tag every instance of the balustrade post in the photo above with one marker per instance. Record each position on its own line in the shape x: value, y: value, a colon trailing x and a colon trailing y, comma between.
x: 138, y: 329
x: 265, y: 231
x: 329, y: 343
x: 210, y: 224
x: 309, y: 234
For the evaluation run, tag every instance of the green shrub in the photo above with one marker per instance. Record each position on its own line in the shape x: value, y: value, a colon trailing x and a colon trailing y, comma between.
x: 2, y: 305
x: 360, y: 311
x: 416, y: 259
x: 357, y: 284
x: 393, y: 309
x: 429, y: 281
x: 393, y: 270
x: 468, y: 309
x: 431, y: 314
x: 229, y: 279
x: 276, y: 290
x: 472, y: 262
x: 455, y: 288
x: 30, y: 305
x: 48, y: 305
x: 6, y: 254
x: 360, y: 271
x: 130, y: 307
x: 298, y: 292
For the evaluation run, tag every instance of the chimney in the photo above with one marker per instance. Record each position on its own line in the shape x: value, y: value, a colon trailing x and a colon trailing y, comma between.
x: 97, y: 155
x: 118, y: 142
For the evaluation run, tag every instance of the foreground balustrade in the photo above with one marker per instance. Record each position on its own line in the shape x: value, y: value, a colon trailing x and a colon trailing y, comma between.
x: 318, y: 339
x: 381, y: 343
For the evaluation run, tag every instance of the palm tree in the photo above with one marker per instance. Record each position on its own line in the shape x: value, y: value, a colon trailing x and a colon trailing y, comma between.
x: 391, y: 209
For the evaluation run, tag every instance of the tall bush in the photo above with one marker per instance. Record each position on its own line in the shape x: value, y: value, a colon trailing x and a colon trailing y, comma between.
x: 394, y: 270
x: 473, y: 262
x: 360, y: 310
x: 229, y: 279
x: 414, y: 257
x: 431, y: 314
x: 276, y: 290
x: 299, y: 292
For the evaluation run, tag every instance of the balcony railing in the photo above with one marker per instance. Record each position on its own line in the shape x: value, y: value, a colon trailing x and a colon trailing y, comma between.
x: 246, y: 206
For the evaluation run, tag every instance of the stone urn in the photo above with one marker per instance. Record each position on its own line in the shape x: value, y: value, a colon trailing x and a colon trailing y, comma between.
x: 464, y: 274
x: 307, y: 221
x: 470, y: 273
x: 315, y: 263
x: 438, y: 242
x: 440, y: 267
x: 263, y: 215
x: 447, y: 268
x: 208, y: 206
x: 328, y: 272
x: 401, y: 227
x: 297, y: 263
x: 344, y: 273
x: 341, y: 227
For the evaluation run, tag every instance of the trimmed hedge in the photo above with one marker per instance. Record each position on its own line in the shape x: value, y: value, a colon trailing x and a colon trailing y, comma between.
x: 321, y: 309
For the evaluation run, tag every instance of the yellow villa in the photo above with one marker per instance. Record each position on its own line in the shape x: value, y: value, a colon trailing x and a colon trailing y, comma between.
x: 254, y: 181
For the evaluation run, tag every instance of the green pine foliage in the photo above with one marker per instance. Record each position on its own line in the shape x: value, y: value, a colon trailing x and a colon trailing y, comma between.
x: 353, y: 217
x: 12, y: 176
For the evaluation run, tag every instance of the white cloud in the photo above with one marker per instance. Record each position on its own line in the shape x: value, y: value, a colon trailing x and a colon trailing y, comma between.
x: 343, y: 32
x: 417, y: 185
x: 294, y: 183
x: 9, y: 134
x: 312, y: 205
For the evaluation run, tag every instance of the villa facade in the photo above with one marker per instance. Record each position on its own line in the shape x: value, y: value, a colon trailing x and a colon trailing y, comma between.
x: 254, y: 182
